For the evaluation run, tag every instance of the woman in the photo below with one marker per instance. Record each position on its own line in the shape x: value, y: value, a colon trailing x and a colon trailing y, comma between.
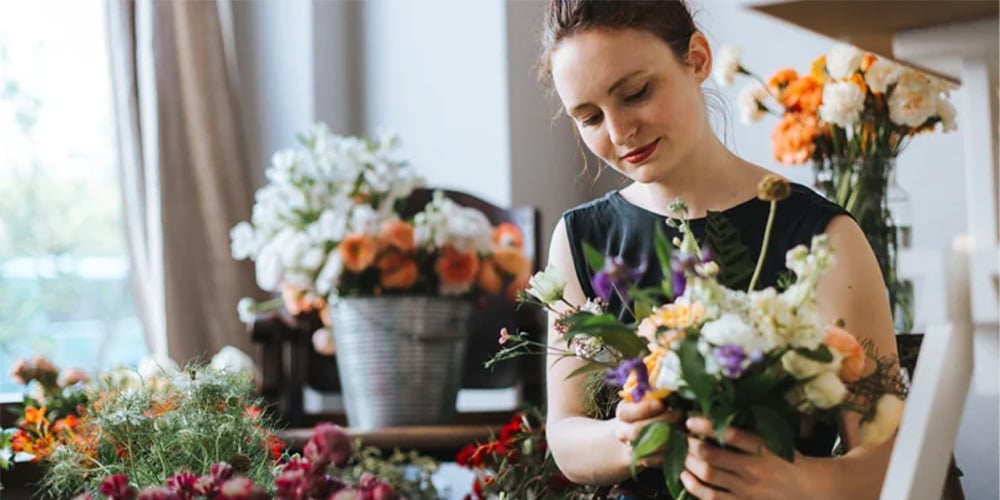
x: 629, y: 75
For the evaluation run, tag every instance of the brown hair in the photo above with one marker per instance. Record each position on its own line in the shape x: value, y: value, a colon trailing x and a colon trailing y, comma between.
x: 670, y: 20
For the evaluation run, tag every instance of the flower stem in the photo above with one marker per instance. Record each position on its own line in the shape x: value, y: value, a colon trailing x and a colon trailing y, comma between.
x: 763, y: 245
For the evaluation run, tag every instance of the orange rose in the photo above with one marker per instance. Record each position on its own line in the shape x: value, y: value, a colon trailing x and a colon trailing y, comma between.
x: 804, y: 94
x: 358, y: 252
x: 511, y: 261
x: 792, y: 139
x: 397, y: 234
x: 490, y: 280
x: 777, y: 83
x: 456, y: 269
x: 508, y: 235
x: 853, y: 365
x: 398, y: 270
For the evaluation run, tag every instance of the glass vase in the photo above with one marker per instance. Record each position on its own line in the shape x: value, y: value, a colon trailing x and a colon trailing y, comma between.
x: 867, y: 188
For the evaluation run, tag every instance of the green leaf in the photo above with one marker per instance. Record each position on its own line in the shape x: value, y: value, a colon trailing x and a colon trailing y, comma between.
x: 728, y: 251
x: 821, y: 354
x: 673, y: 462
x: 650, y: 439
x: 642, y: 309
x: 753, y: 389
x: 720, y: 424
x: 693, y: 372
x: 595, y: 259
x: 587, y: 368
x: 775, y: 430
x: 664, y: 249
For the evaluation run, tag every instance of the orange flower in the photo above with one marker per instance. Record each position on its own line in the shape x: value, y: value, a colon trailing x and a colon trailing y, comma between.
x: 35, y: 416
x: 792, y: 139
x: 397, y: 234
x: 490, y: 280
x: 67, y: 424
x: 398, y: 270
x: 511, y: 261
x: 358, y: 252
x: 297, y: 301
x: 804, y: 94
x: 818, y: 69
x: 456, y: 269
x: 859, y: 80
x: 867, y: 61
x: 777, y: 83
x: 852, y: 367
x: 508, y: 235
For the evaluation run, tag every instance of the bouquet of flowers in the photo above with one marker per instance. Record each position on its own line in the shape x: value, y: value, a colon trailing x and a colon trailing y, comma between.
x: 851, y: 115
x: 518, y: 464
x: 760, y: 360
x: 330, y: 223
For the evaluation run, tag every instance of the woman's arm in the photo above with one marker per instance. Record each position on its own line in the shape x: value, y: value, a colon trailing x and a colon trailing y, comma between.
x: 852, y: 290
x: 587, y: 450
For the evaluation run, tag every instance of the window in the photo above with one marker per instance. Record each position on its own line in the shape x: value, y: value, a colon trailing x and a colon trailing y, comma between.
x: 64, y: 288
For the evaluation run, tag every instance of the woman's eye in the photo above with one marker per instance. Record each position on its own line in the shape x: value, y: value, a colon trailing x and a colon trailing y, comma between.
x: 637, y: 95
x: 591, y: 120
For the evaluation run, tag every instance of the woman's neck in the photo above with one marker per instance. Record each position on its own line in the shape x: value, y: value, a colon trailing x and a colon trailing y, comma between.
x: 711, y: 178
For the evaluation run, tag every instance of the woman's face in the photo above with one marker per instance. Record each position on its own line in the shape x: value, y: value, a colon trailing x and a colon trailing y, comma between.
x: 637, y: 106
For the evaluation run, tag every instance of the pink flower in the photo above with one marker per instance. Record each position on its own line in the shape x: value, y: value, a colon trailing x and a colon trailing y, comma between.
x: 384, y: 492
x: 72, y: 376
x: 158, y: 493
x: 117, y: 487
x: 329, y: 443
x: 241, y: 488
x: 23, y: 372
x: 349, y: 494
x: 183, y: 482
x: 504, y: 336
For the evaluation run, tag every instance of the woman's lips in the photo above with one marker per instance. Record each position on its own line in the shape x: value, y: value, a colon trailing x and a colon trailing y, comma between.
x: 639, y: 155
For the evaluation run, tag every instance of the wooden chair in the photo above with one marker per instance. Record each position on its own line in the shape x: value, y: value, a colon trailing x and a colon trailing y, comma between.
x: 290, y: 367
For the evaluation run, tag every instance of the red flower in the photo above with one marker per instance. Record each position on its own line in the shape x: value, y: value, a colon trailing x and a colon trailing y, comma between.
x: 117, y: 487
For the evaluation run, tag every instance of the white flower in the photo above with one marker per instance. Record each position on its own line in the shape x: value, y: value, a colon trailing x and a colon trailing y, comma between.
x: 731, y: 329
x: 946, y: 111
x: 802, y: 368
x: 670, y: 372
x: 246, y: 308
x: 331, y: 226
x: 293, y: 245
x: 231, y: 359
x: 913, y: 101
x: 843, y: 60
x: 888, y: 414
x: 881, y: 74
x: 825, y: 391
x: 547, y: 286
x: 244, y: 242
x: 323, y: 342
x: 750, y: 102
x: 268, y: 268
x: 364, y: 220
x: 156, y: 365
x: 329, y: 275
x: 727, y: 64
x: 842, y: 103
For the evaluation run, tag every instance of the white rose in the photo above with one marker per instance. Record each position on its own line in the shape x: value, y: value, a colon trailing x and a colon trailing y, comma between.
x: 881, y: 74
x: 946, y: 111
x: 727, y: 64
x: 802, y: 368
x: 547, y: 286
x: 243, y: 241
x: 231, y: 359
x: 843, y: 60
x: 247, y: 307
x: 888, y: 414
x: 842, y: 104
x: 913, y: 101
x: 825, y: 391
x: 750, y: 102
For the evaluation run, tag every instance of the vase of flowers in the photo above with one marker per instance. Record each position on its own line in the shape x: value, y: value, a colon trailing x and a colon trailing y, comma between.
x: 850, y: 116
x: 396, y: 286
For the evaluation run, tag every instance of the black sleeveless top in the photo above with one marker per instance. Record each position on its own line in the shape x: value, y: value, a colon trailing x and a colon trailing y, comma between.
x: 616, y: 227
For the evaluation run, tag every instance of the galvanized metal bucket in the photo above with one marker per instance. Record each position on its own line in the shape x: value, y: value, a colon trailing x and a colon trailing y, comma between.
x: 400, y: 359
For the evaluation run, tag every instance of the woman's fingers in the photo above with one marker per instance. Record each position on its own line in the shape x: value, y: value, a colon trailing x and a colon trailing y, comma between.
x: 632, y: 412
x: 712, y: 476
x: 701, y: 490
x: 744, y: 441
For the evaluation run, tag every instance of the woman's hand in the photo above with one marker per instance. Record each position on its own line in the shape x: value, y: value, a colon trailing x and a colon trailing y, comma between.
x: 753, y: 472
x: 631, y: 418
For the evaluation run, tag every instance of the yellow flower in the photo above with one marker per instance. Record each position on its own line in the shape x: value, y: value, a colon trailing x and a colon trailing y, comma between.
x: 818, y: 69
x: 773, y: 187
x: 652, y: 363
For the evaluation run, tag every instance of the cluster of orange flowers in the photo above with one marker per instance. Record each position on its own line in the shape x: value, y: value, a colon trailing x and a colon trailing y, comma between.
x: 37, y: 436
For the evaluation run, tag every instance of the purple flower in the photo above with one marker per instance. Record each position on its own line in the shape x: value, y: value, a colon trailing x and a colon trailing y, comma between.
x: 679, y: 282
x: 730, y: 357
x: 615, y: 277
x: 619, y: 377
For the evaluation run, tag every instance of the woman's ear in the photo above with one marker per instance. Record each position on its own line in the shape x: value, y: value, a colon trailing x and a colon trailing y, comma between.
x: 699, y: 57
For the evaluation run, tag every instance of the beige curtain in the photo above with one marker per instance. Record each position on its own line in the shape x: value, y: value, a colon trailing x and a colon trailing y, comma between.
x: 183, y: 162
